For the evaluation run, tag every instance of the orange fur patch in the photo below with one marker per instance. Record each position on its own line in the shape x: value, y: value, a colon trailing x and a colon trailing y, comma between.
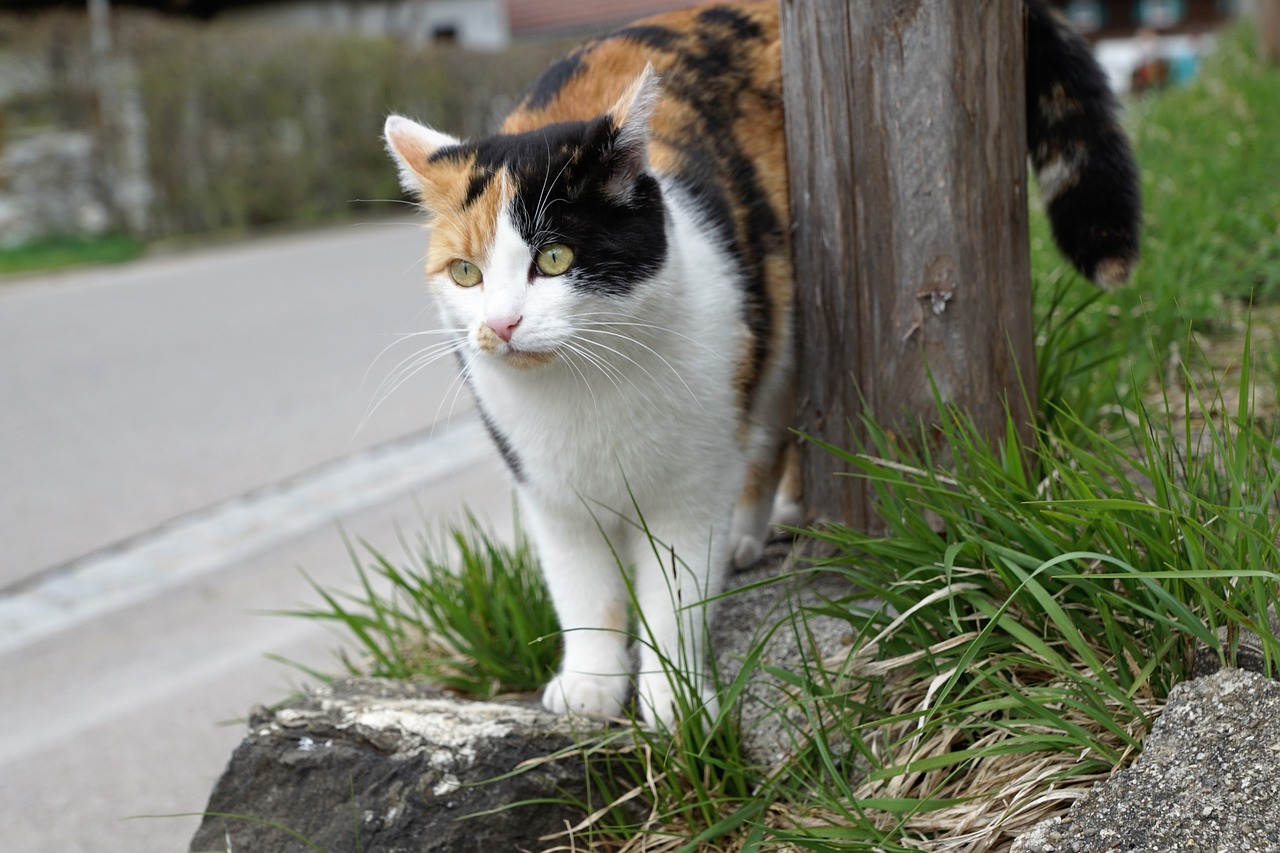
x: 457, y: 233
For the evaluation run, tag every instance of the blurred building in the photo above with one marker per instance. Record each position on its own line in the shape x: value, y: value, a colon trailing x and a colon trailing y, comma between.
x: 1150, y: 44
x: 481, y: 24
x: 475, y: 24
x: 1103, y: 19
x: 534, y: 17
x: 478, y: 24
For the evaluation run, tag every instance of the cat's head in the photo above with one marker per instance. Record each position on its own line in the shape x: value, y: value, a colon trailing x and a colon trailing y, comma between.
x: 533, y: 235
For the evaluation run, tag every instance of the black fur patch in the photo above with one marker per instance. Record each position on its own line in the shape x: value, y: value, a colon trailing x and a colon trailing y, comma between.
x: 559, y: 175
x: 1098, y: 217
x: 550, y: 82
x: 500, y: 441
x: 743, y: 27
x: 476, y: 187
x: 658, y: 38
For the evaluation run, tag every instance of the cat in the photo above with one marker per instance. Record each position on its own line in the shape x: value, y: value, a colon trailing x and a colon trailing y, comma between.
x: 614, y: 265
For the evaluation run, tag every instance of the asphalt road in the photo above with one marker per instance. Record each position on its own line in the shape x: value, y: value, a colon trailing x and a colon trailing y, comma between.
x: 130, y: 395
x: 179, y: 437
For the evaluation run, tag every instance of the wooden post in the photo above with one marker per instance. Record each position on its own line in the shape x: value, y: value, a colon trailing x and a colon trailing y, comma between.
x: 1268, y: 23
x: 907, y: 157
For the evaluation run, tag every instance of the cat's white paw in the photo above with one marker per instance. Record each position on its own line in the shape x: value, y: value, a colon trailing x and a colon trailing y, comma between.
x: 747, y: 551
x: 661, y: 707
x: 786, y: 513
x: 584, y: 694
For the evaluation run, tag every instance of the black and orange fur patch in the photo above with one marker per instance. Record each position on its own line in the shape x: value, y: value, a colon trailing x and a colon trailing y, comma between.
x: 717, y: 134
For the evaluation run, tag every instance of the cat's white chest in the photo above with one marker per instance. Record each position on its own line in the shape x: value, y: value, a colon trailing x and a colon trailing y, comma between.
x: 629, y: 434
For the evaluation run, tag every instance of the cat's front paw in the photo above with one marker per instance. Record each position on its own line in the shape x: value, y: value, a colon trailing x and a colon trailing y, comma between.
x: 786, y: 512
x: 747, y: 551
x: 662, y: 706
x: 587, y: 695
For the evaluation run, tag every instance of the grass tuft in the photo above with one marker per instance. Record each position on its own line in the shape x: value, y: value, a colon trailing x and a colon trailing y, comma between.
x: 470, y: 613
x: 1020, y: 624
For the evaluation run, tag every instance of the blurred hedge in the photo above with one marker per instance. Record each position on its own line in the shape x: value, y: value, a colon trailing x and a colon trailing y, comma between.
x: 249, y: 126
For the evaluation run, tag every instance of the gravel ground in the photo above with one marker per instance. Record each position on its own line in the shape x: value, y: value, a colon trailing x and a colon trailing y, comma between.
x: 1208, y: 779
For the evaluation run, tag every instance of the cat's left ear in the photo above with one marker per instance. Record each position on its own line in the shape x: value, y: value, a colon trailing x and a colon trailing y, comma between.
x: 630, y: 118
x: 412, y: 146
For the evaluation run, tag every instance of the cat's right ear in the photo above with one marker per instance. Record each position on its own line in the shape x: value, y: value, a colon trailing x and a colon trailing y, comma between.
x: 412, y: 146
x: 632, y: 111
x: 630, y: 120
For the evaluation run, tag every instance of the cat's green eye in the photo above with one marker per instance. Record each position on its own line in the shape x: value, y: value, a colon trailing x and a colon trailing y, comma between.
x: 554, y: 259
x: 465, y: 273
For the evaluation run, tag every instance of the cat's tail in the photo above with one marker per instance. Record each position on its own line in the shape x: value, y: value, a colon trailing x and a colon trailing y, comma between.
x: 1083, y: 163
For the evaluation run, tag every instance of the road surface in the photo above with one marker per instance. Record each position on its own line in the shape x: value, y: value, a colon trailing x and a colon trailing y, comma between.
x: 138, y: 393
x: 179, y: 437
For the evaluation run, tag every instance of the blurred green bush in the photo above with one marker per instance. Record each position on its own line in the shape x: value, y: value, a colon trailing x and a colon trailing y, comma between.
x: 251, y: 126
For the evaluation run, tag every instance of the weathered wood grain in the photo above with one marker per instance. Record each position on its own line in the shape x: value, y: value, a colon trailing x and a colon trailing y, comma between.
x: 907, y: 162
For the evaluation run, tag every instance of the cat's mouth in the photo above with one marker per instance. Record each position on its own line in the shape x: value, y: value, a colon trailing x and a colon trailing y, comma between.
x: 488, y: 341
x: 525, y: 359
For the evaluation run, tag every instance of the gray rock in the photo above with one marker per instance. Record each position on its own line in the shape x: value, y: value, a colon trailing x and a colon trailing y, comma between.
x: 1208, y: 779
x: 376, y: 765
x: 778, y: 603
x: 383, y: 766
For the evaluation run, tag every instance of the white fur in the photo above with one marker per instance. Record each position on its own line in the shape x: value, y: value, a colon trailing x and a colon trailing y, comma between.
x: 409, y: 144
x: 1056, y: 176
x: 641, y: 433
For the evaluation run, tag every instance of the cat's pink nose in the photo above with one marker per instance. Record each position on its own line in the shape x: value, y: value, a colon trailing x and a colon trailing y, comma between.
x: 504, y: 327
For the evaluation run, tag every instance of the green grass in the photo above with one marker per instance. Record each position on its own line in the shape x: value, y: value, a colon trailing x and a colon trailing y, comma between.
x: 1211, y: 241
x: 1022, y: 620
x: 50, y: 253
x: 468, y: 611
x: 1054, y: 599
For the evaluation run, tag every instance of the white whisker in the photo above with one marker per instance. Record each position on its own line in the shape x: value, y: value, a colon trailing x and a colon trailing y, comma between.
x: 403, y: 372
x: 609, y: 371
x: 580, y: 378
x: 651, y: 326
x: 401, y: 338
x: 657, y: 354
x: 418, y: 264
x: 414, y: 361
x: 541, y: 233
x: 455, y: 387
x: 405, y: 202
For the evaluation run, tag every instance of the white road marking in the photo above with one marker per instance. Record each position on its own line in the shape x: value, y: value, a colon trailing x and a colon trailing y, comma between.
x: 195, y: 545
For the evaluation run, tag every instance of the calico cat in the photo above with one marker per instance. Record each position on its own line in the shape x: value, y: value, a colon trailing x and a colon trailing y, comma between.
x: 615, y: 266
